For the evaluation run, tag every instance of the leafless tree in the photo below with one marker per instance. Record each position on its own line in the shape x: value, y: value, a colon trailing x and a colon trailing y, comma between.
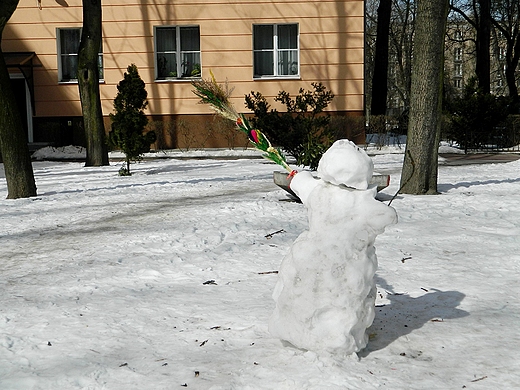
x: 13, y: 139
x: 506, y: 20
x: 88, y: 81
x: 478, y: 14
x: 380, y: 77
x: 420, y: 168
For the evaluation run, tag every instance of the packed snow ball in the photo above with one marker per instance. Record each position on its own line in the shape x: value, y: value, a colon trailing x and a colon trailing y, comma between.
x: 347, y: 164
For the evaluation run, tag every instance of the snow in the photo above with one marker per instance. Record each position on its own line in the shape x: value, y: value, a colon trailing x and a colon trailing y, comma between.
x: 346, y: 164
x: 163, y: 280
x: 72, y: 152
x: 325, y: 294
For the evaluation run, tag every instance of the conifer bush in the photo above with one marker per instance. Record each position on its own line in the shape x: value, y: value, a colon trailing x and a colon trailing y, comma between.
x: 129, y: 119
x: 302, y: 131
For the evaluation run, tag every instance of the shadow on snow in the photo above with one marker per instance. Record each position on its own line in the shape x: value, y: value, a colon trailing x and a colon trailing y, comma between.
x: 404, y: 314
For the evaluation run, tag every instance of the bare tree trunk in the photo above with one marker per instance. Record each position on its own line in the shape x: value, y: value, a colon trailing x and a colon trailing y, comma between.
x: 88, y: 80
x: 13, y: 140
x: 507, y: 22
x: 380, y: 79
x: 479, y: 17
x: 511, y: 77
x: 420, y: 166
x: 483, y: 63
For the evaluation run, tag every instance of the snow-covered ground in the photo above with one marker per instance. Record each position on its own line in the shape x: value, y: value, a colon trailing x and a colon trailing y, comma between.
x: 163, y: 280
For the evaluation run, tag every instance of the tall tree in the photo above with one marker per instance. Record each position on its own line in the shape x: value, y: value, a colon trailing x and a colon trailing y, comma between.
x: 88, y: 80
x: 380, y: 77
x: 402, y: 26
x: 483, y: 64
x: 478, y: 14
x: 13, y: 139
x: 507, y: 21
x: 420, y: 168
x: 401, y: 31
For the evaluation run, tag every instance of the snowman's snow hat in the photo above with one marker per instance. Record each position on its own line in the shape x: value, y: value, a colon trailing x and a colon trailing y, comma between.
x: 345, y: 163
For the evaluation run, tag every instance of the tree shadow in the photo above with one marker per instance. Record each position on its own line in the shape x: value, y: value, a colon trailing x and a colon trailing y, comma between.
x: 467, y: 184
x: 404, y: 314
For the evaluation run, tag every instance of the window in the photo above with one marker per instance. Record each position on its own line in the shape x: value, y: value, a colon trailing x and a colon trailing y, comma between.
x: 68, y: 47
x: 501, y: 53
x: 275, y: 50
x: 458, y: 35
x: 458, y: 69
x: 457, y: 54
x: 177, y: 52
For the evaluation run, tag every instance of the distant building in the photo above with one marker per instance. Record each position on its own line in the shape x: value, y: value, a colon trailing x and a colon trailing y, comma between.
x: 459, y: 65
x: 460, y: 58
x: 265, y: 46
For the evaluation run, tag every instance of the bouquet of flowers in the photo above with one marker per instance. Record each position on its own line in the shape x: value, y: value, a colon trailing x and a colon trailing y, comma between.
x: 217, y: 96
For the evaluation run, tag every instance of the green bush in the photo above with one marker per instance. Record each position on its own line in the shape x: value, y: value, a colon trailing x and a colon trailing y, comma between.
x: 511, y: 133
x: 475, y: 119
x: 302, y: 131
x: 129, y: 120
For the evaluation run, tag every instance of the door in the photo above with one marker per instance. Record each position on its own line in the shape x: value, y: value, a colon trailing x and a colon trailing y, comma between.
x: 23, y: 100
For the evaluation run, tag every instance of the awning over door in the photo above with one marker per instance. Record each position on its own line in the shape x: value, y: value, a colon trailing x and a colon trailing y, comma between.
x: 23, y: 61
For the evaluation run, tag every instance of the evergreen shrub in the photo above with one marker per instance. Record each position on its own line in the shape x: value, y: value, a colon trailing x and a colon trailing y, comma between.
x: 476, y: 119
x: 129, y: 120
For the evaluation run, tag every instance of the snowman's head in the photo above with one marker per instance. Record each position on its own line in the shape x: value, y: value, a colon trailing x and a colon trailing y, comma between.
x: 345, y: 163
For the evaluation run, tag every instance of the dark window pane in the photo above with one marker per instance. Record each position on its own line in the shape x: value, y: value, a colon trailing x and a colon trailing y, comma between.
x: 264, y: 63
x: 263, y: 37
x: 190, y: 39
x: 69, y: 68
x: 69, y: 41
x: 166, y: 65
x: 288, y: 36
x: 166, y: 39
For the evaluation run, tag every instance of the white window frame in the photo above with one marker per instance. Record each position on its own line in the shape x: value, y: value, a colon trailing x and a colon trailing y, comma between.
x: 178, y: 54
x: 61, y: 55
x: 276, y: 51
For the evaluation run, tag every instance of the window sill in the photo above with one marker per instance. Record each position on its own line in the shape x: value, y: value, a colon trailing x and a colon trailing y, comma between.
x: 174, y: 80
x: 261, y: 78
x: 102, y: 81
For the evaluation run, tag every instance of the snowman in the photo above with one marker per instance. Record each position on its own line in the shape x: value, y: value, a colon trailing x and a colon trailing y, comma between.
x: 325, y: 293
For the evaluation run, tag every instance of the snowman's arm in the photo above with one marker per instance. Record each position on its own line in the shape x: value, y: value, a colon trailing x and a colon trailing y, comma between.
x: 381, y: 215
x: 302, y: 184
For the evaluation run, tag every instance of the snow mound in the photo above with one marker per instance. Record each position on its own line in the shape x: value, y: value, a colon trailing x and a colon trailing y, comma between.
x: 60, y: 153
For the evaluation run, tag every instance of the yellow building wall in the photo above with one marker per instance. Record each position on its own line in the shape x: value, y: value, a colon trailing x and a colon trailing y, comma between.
x: 331, y: 49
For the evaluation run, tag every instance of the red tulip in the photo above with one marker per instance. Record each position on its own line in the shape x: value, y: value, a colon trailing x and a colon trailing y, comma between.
x: 254, y: 136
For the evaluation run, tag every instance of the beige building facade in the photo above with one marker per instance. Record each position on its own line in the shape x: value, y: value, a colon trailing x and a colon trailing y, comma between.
x: 256, y: 45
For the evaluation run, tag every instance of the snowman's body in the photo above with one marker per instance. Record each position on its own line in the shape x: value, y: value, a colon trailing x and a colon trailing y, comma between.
x: 325, y: 292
